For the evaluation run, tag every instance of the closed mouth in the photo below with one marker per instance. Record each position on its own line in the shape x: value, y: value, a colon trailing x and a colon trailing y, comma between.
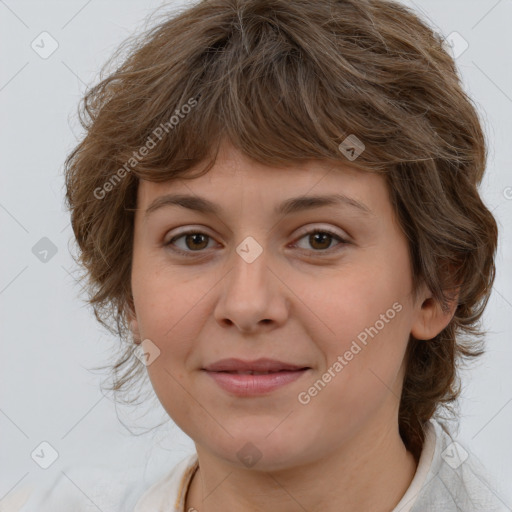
x: 251, y: 372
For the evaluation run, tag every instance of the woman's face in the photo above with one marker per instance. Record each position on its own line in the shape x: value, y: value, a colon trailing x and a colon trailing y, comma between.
x: 254, y: 282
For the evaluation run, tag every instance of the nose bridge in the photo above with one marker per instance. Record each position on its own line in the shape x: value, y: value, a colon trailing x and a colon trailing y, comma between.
x: 250, y: 293
x: 248, y: 278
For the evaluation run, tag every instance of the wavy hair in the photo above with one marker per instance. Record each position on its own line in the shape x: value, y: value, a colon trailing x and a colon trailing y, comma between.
x: 287, y: 82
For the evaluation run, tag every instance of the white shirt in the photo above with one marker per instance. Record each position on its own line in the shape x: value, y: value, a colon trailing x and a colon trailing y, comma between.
x: 447, y: 479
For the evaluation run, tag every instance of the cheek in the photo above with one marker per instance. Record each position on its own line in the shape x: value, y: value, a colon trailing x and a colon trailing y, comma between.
x: 364, y: 315
x: 164, y: 306
x: 363, y: 367
x: 171, y: 388
x: 164, y: 297
x: 353, y: 300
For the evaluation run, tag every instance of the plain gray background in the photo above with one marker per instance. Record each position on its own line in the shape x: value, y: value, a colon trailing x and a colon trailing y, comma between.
x: 50, y: 338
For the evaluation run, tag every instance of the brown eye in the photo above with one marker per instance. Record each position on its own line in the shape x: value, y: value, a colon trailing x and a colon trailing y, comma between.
x: 320, y: 240
x: 194, y: 241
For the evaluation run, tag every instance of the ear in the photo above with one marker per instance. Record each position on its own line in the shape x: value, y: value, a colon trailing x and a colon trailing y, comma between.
x: 133, y: 322
x: 430, y: 319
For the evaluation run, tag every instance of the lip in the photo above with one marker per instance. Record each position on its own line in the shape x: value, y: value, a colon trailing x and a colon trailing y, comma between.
x: 258, y: 365
x: 224, y: 373
x: 252, y: 385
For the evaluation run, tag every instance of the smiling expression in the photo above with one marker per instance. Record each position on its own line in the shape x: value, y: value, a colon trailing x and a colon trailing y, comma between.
x: 303, y: 299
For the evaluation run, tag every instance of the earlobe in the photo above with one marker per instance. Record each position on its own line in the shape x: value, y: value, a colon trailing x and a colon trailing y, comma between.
x: 134, y: 325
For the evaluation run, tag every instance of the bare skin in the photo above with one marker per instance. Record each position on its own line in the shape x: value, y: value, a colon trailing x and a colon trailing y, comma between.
x: 302, y: 300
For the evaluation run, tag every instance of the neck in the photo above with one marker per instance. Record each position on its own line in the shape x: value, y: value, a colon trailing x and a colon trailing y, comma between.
x: 356, y: 477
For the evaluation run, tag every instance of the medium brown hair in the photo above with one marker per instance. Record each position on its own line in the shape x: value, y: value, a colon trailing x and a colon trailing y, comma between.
x: 287, y: 82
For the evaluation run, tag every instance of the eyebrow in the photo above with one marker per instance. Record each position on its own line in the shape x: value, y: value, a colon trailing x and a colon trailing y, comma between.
x: 292, y: 205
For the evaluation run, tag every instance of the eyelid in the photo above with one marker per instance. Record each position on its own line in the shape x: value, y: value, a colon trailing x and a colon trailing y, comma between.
x: 343, y: 239
x: 330, y: 231
x: 322, y: 229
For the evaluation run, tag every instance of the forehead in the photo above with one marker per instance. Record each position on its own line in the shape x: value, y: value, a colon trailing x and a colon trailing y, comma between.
x: 235, y: 179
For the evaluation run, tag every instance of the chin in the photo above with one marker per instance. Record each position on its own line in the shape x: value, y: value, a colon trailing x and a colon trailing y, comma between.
x: 260, y: 452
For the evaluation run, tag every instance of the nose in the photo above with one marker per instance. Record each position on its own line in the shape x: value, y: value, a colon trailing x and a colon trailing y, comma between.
x: 252, y: 296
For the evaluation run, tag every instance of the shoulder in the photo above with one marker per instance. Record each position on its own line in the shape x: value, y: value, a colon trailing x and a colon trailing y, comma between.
x: 168, y: 493
x: 84, y: 489
x: 450, y: 478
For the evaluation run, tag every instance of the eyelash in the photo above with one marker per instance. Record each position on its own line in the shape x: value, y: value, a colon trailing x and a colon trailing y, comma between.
x: 196, y: 232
